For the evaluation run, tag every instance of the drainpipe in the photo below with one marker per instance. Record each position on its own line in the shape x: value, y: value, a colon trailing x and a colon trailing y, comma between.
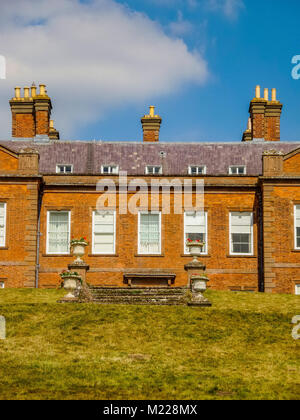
x: 37, y: 267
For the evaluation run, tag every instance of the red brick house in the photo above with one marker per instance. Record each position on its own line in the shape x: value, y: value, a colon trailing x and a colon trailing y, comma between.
x: 48, y: 193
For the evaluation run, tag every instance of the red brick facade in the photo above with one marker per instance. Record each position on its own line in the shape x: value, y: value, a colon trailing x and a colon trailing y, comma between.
x: 30, y: 193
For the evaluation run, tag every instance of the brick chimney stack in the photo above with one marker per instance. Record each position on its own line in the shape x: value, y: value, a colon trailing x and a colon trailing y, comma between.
x: 151, y: 126
x: 265, y: 117
x: 31, y: 114
x: 272, y: 118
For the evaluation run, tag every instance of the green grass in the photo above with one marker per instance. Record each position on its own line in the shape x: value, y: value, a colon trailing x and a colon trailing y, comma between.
x: 241, y: 348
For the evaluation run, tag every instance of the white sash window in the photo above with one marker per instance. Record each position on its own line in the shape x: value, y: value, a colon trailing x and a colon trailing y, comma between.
x: 195, y: 228
x: 297, y: 226
x: 104, y: 232
x: 241, y: 233
x: 149, y: 233
x: 2, y: 224
x: 58, y: 232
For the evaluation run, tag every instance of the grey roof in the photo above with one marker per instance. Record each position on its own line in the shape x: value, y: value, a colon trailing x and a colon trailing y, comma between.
x: 87, y: 157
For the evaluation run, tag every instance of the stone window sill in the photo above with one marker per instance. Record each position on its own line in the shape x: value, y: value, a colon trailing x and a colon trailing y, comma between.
x: 149, y: 255
x: 103, y: 255
x: 241, y: 256
x: 57, y: 255
x: 198, y: 256
x: 3, y: 248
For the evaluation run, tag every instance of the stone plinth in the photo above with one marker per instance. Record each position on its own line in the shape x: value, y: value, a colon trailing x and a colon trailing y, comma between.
x: 81, y: 268
x: 197, y: 280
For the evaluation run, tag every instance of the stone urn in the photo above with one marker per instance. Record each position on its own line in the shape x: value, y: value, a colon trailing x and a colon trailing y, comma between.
x: 198, y: 286
x: 72, y: 283
x: 78, y: 248
x: 195, y: 248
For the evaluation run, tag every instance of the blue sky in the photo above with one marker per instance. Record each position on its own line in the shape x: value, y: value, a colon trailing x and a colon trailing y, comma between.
x: 198, y: 61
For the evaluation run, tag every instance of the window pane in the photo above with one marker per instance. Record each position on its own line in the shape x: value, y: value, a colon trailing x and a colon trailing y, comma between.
x: 241, y: 232
x: 149, y: 234
x: 104, y: 233
x: 2, y: 224
x: 58, y: 232
x: 195, y: 228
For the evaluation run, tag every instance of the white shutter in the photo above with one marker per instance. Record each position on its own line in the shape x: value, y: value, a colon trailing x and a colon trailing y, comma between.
x: 2, y: 223
x: 58, y: 232
x: 103, y: 232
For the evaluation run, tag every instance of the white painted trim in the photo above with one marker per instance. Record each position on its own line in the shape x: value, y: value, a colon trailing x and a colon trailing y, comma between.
x: 197, y: 166
x: 5, y: 224
x: 206, y: 235
x: 110, y: 172
x: 251, y: 233
x: 153, y: 166
x: 93, y: 230
x: 47, y: 240
x: 139, y: 224
x: 295, y: 227
x: 64, y: 164
x: 237, y: 166
x: 297, y: 292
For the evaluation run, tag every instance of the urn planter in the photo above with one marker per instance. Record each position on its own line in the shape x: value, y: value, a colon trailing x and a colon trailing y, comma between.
x: 72, y: 283
x: 78, y: 250
x: 195, y: 249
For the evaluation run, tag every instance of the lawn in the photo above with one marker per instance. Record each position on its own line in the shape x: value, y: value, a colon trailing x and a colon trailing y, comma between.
x: 241, y: 348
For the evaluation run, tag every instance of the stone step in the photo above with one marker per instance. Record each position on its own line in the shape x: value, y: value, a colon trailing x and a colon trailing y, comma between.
x: 139, y: 295
x: 138, y: 291
x: 117, y: 301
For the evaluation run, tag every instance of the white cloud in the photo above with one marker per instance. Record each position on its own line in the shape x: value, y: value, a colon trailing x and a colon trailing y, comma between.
x: 230, y: 8
x: 92, y: 56
x: 181, y: 27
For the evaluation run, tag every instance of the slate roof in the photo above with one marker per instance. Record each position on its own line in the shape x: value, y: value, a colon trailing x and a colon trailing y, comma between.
x: 87, y: 157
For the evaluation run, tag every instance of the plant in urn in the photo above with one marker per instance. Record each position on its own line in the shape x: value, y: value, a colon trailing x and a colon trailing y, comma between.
x: 78, y: 246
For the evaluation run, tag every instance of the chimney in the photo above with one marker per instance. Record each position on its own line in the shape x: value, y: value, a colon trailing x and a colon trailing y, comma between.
x: 23, y: 123
x: 31, y: 114
x: 247, y: 135
x: 42, y: 107
x: 53, y: 133
x: 272, y: 118
x: 257, y: 115
x: 264, y: 117
x: 151, y: 126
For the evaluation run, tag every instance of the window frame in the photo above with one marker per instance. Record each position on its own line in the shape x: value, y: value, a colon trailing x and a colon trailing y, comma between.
x: 109, y: 166
x: 206, y: 234
x: 251, y: 253
x: 69, y: 227
x: 3, y: 245
x: 237, y: 166
x: 2, y: 284
x: 297, y: 285
x: 93, y: 235
x: 197, y: 166
x: 295, y: 227
x: 64, y: 165
x: 139, y: 232
x: 153, y: 166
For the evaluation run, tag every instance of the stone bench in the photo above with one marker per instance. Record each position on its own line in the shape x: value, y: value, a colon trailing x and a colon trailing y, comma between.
x: 149, y: 279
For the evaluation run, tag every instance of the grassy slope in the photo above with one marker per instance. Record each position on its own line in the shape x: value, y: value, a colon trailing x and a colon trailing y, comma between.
x: 240, y: 348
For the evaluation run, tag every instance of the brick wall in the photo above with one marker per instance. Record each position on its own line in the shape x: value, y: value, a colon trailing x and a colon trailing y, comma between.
x: 225, y: 271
